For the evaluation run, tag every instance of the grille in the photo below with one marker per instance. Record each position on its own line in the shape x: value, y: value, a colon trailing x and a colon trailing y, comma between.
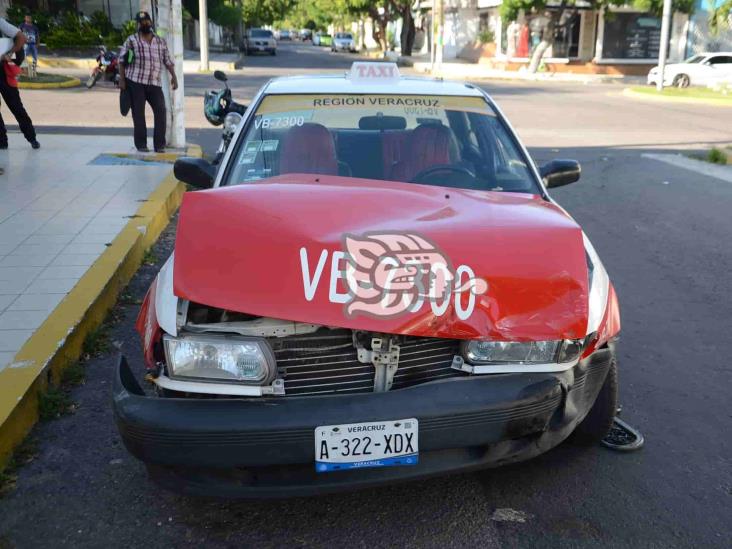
x: 327, y: 362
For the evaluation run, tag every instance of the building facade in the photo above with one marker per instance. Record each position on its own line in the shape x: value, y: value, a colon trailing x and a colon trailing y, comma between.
x: 620, y: 40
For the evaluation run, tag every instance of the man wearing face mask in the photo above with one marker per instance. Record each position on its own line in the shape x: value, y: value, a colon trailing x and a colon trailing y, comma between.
x: 142, y: 59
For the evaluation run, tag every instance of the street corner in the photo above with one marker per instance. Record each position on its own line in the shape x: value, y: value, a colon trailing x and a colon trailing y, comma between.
x: 66, y: 255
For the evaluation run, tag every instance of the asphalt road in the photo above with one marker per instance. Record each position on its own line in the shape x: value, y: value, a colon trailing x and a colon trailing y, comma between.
x: 663, y: 233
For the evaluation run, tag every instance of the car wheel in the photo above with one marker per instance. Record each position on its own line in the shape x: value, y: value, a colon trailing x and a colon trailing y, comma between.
x: 274, y: 52
x: 599, y: 419
x: 682, y: 81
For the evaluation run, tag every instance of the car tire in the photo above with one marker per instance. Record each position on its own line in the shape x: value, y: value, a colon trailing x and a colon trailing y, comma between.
x: 599, y: 419
x: 274, y: 52
x: 682, y: 81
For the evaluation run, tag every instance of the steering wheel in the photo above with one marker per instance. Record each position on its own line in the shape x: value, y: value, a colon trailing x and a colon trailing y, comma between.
x: 424, y: 175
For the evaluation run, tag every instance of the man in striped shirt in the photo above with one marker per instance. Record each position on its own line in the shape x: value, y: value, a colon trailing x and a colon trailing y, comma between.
x: 142, y: 59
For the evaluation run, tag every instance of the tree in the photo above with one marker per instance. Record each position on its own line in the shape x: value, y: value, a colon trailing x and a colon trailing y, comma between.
x: 555, y: 14
x: 383, y: 12
x: 720, y: 17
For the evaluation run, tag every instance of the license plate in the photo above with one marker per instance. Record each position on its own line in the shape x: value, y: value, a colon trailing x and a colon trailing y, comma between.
x: 362, y: 445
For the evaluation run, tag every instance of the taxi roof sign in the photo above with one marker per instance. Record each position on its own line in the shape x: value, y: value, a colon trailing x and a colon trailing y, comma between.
x: 374, y: 72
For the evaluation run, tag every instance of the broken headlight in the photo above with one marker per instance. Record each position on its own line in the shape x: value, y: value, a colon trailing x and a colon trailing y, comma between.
x: 519, y: 352
x: 220, y: 358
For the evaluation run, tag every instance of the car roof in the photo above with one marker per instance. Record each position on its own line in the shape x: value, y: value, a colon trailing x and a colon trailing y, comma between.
x: 407, y: 85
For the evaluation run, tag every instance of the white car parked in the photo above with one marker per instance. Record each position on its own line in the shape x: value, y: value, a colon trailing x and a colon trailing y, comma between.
x: 699, y: 70
x: 343, y: 41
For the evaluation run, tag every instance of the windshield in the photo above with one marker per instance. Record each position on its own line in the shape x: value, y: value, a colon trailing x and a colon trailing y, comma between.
x: 261, y: 33
x: 695, y: 59
x: 432, y: 140
x: 343, y: 35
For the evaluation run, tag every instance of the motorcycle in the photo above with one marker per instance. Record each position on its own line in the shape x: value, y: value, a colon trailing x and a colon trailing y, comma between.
x: 107, y: 68
x: 220, y: 109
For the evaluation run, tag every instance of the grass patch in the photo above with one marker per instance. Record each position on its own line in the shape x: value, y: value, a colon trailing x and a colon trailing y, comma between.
x: 97, y: 342
x: 149, y: 258
x: 54, y: 403
x: 74, y: 374
x: 716, y: 156
x: 25, y: 453
x: 688, y: 93
x: 44, y: 78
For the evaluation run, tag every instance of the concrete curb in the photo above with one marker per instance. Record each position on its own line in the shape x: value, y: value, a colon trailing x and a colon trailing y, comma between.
x: 58, y: 342
x: 66, y: 63
x: 688, y: 100
x: 69, y: 83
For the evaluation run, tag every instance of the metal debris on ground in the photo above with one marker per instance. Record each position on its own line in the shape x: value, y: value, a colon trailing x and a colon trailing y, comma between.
x: 507, y: 514
x: 623, y: 437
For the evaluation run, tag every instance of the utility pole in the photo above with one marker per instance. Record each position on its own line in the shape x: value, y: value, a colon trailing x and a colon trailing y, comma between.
x: 203, y: 33
x: 438, y: 24
x: 665, y: 28
x: 170, y: 27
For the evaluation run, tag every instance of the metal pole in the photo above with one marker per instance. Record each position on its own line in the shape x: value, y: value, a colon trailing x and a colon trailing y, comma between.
x: 203, y: 33
x: 665, y: 28
x: 433, y: 34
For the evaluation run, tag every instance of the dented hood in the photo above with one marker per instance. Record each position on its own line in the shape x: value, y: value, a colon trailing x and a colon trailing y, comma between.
x: 275, y: 248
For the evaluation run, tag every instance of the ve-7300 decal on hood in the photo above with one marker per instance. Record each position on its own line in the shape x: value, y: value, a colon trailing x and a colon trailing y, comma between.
x: 385, y: 257
x: 392, y: 274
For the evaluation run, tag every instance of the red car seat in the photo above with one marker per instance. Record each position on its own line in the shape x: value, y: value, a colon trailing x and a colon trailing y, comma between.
x: 308, y: 149
x: 428, y: 145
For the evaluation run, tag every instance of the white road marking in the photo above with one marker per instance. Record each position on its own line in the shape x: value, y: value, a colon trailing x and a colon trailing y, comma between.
x: 705, y: 168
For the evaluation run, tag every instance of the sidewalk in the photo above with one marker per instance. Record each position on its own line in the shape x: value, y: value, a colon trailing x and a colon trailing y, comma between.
x: 460, y: 69
x: 74, y: 224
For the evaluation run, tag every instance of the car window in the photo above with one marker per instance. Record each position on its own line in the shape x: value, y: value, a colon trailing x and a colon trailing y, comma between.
x: 695, y: 59
x: 447, y: 141
x: 343, y: 35
x: 260, y: 33
x: 720, y: 60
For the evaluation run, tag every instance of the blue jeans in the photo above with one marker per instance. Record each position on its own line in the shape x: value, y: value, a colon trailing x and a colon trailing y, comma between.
x: 32, y: 49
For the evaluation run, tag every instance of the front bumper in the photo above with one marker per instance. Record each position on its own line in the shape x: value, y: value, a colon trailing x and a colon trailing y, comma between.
x: 265, y: 447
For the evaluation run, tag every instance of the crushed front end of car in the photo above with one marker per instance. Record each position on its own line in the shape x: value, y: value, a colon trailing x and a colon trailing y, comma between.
x: 277, y: 371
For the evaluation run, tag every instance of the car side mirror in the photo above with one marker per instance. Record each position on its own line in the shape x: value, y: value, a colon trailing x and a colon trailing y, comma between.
x: 195, y: 171
x: 560, y: 172
x: 221, y: 76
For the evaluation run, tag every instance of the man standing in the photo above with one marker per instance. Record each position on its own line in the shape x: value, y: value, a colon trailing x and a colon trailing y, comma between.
x: 10, y: 93
x: 32, y: 38
x: 142, y: 58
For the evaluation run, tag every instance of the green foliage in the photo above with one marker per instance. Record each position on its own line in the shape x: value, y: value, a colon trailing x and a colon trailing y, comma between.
x: 225, y: 15
x: 716, y: 156
x: 54, y: 403
x: 486, y: 36
x: 719, y: 17
x: 41, y: 19
x: 510, y: 9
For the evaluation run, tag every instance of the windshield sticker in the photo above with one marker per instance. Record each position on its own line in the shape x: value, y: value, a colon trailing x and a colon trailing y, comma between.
x: 252, y: 146
x: 298, y: 105
x: 248, y: 158
x: 386, y: 275
x: 270, y: 145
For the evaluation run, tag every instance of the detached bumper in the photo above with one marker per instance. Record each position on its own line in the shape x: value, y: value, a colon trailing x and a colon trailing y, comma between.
x: 265, y: 447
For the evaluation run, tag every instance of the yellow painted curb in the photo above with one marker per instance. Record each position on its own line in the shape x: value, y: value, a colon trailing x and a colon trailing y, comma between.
x: 70, y: 83
x: 66, y: 63
x: 689, y: 100
x: 58, y: 342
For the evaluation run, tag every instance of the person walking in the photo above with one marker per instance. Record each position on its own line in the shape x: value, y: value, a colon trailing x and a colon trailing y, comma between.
x: 32, y: 38
x: 142, y: 59
x: 8, y: 86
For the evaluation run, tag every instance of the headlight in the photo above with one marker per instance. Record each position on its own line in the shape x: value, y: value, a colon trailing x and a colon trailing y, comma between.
x: 231, y: 122
x: 220, y: 358
x: 516, y: 352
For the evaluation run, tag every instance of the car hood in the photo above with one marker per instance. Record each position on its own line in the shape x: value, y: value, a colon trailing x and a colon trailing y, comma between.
x: 275, y: 248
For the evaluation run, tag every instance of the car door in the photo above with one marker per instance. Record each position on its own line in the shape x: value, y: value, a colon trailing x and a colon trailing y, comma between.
x: 722, y: 65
